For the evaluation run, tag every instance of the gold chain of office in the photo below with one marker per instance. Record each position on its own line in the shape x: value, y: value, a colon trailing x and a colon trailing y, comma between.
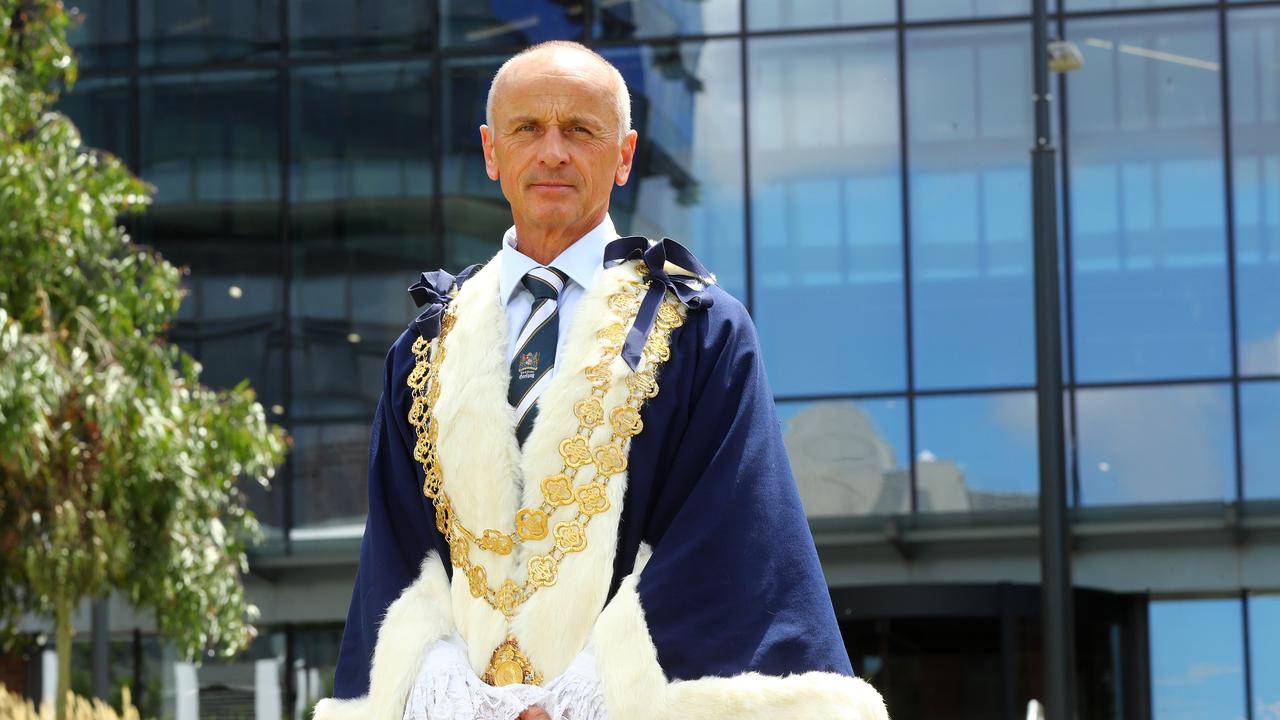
x: 558, y: 490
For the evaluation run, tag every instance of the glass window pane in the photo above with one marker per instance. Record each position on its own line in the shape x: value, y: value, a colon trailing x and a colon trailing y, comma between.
x: 849, y: 457
x: 660, y: 18
x: 316, y: 647
x: 100, y: 108
x: 1264, y: 628
x: 1260, y: 429
x: 827, y: 212
x: 210, y: 146
x: 508, y: 24
x: 319, y: 27
x: 1255, y: 125
x: 1197, y: 659
x: 360, y: 226
x: 100, y: 33
x: 782, y: 14
x: 976, y: 452
x: 938, y: 9
x: 184, y: 32
x: 330, y: 461
x: 1073, y: 5
x: 1156, y: 444
x: 475, y: 212
x: 970, y: 128
x: 1149, y: 242
x: 686, y: 182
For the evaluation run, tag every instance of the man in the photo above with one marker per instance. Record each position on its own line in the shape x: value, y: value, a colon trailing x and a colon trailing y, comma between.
x: 579, y: 500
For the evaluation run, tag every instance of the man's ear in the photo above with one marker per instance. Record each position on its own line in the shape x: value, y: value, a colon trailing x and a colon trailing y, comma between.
x: 626, y: 154
x: 490, y: 160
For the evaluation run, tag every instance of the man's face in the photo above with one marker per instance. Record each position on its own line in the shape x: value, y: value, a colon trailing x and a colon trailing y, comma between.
x: 555, y: 144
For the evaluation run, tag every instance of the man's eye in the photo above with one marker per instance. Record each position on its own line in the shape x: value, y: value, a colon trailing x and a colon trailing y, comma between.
x: 524, y: 127
x: 582, y: 130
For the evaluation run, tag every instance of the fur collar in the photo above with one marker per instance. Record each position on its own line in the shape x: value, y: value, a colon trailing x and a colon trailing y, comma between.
x: 488, y: 477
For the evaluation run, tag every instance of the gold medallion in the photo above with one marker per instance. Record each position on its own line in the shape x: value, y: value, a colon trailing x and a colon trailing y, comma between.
x: 510, y: 666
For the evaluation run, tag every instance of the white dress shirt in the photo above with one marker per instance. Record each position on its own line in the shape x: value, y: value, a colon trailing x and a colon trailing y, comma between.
x: 581, y: 261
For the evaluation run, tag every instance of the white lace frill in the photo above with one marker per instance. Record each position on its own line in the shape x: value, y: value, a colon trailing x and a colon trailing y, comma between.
x: 448, y: 689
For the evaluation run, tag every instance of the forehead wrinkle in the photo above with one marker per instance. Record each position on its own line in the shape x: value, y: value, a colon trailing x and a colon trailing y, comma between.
x: 551, y: 104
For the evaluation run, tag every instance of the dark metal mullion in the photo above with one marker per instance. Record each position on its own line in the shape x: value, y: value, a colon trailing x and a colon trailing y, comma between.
x: 907, y: 285
x: 1068, y: 273
x: 589, y: 11
x: 437, y: 138
x: 744, y: 82
x: 1248, y: 654
x: 1228, y: 169
x: 284, y: 154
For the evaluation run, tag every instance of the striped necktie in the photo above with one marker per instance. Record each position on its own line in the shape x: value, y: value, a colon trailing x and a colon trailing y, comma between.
x: 535, y: 346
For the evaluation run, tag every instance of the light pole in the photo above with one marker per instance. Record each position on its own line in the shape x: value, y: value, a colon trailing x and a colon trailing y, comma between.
x: 1057, y: 619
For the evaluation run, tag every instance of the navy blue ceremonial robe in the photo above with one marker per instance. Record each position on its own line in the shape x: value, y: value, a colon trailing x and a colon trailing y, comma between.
x: 733, y: 584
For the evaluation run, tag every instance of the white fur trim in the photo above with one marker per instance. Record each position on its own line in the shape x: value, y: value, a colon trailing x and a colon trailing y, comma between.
x: 635, y: 685
x: 413, y: 623
x: 484, y: 469
x: 478, y: 452
x: 554, y: 624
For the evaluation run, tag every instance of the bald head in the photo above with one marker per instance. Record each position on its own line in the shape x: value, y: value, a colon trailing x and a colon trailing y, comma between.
x: 566, y: 58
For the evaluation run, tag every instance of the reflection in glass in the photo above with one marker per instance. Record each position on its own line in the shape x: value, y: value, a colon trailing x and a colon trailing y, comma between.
x: 686, y: 182
x: 1264, y: 655
x: 976, y: 452
x: 360, y: 220
x: 358, y: 26
x: 210, y: 146
x: 1149, y: 242
x: 827, y: 212
x: 970, y: 127
x: 1197, y: 659
x: 1255, y: 124
x: 327, y: 502
x: 783, y: 14
x: 1074, y: 5
x: 99, y: 33
x: 660, y: 18
x: 185, y: 32
x: 939, y: 9
x: 504, y: 23
x: 928, y: 667
x: 1156, y: 444
x: 316, y: 647
x: 100, y: 109
x: 849, y: 457
x: 475, y: 212
x: 1260, y: 430
x: 686, y: 106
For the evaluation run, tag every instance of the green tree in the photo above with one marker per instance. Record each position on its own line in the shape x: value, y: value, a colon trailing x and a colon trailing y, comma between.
x: 119, y: 468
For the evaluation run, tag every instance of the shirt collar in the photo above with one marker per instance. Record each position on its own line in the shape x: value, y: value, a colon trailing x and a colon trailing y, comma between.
x: 581, y: 261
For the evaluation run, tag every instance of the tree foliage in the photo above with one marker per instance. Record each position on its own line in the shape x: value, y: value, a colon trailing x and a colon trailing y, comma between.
x: 119, y: 468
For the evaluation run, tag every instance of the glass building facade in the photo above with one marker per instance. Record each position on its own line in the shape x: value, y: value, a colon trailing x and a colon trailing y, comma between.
x: 857, y: 172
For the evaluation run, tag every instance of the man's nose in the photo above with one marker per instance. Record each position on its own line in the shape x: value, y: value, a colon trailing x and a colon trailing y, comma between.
x: 552, y: 151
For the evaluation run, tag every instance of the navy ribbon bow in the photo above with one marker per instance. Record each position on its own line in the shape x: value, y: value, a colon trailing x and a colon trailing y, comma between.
x: 433, y: 290
x: 688, y: 284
